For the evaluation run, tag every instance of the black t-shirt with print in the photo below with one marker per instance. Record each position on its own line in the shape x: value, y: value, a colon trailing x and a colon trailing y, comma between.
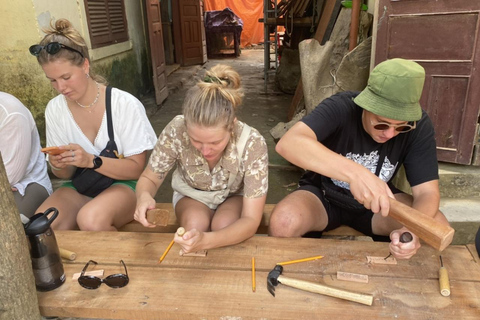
x: 337, y: 123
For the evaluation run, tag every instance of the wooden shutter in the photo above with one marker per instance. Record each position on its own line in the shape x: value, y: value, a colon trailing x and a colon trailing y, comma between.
x: 106, y: 21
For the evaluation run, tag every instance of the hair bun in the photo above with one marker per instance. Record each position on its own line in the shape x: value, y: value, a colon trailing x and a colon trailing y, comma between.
x: 62, y: 26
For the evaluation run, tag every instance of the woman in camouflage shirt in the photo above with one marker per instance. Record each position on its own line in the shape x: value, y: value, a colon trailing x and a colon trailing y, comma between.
x: 221, y: 179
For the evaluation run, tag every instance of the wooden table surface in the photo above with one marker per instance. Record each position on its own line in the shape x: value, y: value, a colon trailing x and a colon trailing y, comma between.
x: 219, y: 286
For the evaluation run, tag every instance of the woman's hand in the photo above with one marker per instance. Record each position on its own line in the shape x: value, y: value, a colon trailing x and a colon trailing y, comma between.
x: 190, y: 241
x: 144, y: 203
x: 74, y: 155
x: 402, y: 250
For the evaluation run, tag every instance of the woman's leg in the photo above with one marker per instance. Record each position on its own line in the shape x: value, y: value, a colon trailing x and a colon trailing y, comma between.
x: 111, y: 209
x: 192, y: 214
x: 68, y: 202
x: 227, y: 213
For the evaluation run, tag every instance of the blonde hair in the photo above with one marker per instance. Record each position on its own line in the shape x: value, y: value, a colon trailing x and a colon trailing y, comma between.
x: 214, y: 101
x: 62, y: 31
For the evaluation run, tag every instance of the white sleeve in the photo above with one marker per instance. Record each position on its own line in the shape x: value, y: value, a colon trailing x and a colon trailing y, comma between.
x: 133, y: 132
x: 15, y: 146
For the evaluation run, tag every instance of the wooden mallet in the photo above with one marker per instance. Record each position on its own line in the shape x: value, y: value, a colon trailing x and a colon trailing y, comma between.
x: 180, y: 232
x: 426, y: 228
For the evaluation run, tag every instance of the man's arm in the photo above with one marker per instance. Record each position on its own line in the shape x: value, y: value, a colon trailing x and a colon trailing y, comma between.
x: 426, y: 199
x: 300, y: 146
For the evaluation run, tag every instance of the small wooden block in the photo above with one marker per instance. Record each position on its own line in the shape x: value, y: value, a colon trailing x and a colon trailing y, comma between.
x: 95, y: 273
x: 381, y: 260
x: 355, y: 277
x: 158, y: 217
x: 201, y: 253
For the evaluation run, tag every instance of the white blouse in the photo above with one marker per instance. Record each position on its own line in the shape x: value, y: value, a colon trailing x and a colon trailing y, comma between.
x: 133, y: 132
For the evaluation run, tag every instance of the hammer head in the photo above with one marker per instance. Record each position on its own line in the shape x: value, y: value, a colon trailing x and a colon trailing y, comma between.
x: 272, y: 279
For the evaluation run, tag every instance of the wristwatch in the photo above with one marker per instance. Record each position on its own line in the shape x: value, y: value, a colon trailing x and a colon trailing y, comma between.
x: 97, y: 162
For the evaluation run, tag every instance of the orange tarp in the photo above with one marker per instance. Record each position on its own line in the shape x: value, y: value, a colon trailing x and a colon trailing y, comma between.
x: 249, y: 11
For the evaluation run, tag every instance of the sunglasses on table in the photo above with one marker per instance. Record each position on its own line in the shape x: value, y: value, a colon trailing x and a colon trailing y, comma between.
x: 51, y: 48
x: 118, y: 280
x: 402, y: 128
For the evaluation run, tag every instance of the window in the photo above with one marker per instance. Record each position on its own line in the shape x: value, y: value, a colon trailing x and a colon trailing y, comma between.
x: 107, y: 22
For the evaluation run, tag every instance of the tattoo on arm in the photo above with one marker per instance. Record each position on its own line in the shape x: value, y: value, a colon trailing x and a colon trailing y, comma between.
x: 161, y: 175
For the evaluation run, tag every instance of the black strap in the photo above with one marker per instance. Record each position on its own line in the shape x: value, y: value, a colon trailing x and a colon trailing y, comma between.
x: 108, y: 105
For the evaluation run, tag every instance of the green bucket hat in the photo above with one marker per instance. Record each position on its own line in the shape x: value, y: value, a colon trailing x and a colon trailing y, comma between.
x: 394, y: 89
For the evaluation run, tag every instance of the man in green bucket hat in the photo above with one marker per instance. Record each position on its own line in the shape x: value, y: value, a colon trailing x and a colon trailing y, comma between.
x: 352, y: 145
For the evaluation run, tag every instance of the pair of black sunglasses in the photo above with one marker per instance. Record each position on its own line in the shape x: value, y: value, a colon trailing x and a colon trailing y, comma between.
x: 51, y: 48
x: 118, y: 280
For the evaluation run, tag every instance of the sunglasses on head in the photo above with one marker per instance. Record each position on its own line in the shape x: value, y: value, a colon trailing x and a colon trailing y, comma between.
x: 51, y: 48
x: 118, y: 280
x: 402, y: 128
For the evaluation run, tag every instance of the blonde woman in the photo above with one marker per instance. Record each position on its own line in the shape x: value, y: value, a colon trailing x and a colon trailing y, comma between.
x: 76, y: 122
x: 221, y: 178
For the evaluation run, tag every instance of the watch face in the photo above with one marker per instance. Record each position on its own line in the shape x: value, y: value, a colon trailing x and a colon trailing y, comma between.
x: 97, y: 162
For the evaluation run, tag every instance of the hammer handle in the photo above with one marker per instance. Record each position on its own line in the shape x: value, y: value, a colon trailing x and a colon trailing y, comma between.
x: 426, y: 228
x: 366, y: 299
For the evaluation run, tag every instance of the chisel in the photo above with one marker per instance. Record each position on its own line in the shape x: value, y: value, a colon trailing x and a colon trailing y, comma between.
x: 443, y: 279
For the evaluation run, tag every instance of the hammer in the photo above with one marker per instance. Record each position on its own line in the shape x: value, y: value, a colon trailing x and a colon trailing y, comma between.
x: 275, y: 277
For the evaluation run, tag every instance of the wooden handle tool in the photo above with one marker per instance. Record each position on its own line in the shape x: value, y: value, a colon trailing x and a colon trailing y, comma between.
x: 404, y: 238
x: 275, y: 277
x: 180, y: 232
x: 426, y: 228
x: 443, y: 279
x: 366, y: 299
x: 66, y: 254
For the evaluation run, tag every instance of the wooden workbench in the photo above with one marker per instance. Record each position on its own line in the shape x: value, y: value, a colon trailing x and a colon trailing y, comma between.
x: 219, y: 286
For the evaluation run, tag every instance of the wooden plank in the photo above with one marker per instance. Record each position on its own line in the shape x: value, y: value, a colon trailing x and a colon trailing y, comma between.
x: 171, y: 293
x: 349, y: 256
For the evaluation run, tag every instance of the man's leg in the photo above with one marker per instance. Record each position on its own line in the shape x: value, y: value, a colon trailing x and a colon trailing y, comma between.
x: 298, y: 213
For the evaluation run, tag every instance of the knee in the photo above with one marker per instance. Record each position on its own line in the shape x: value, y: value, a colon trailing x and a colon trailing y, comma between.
x: 284, y: 222
x: 219, y: 223
x: 91, y: 221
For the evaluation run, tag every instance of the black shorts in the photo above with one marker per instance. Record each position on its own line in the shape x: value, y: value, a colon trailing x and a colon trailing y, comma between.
x: 358, y: 220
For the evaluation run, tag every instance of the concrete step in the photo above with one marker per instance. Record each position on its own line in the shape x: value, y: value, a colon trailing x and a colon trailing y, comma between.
x: 458, y: 181
x: 464, y: 216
